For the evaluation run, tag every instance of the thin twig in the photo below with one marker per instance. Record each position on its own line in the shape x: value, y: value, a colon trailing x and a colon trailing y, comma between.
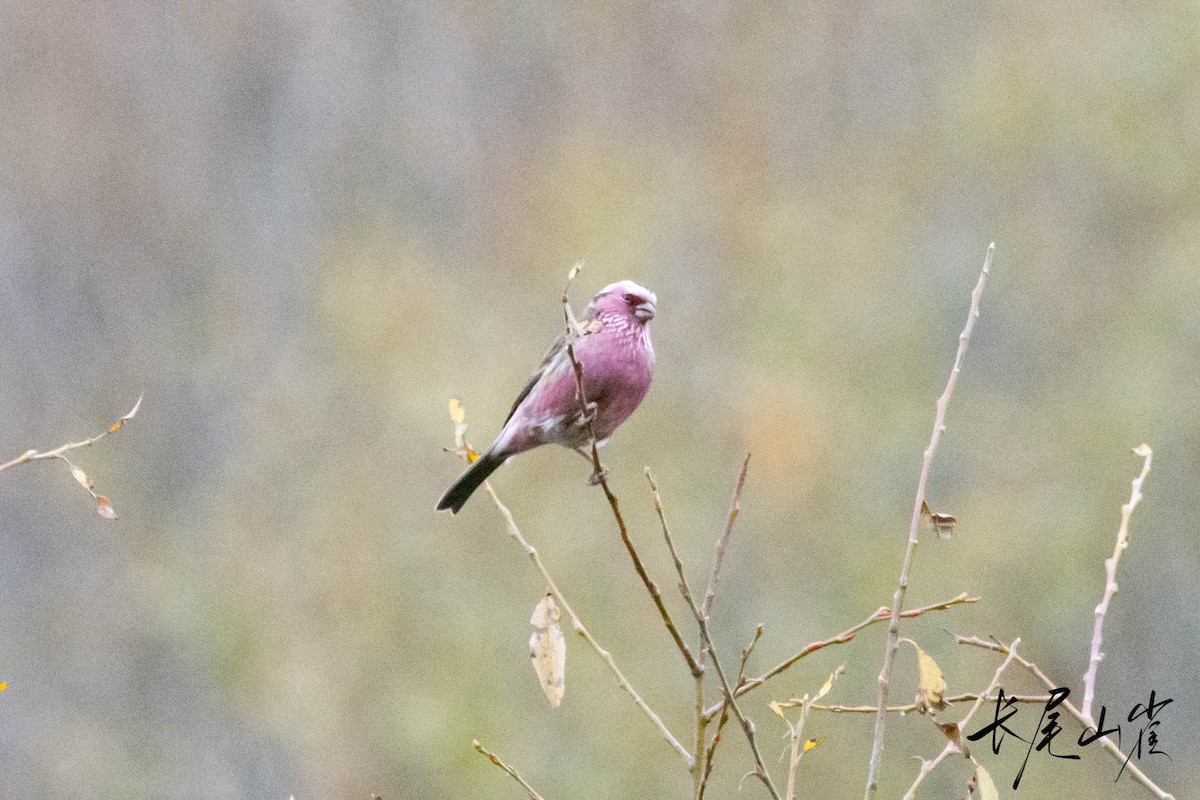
x: 34, y: 455
x: 794, y: 751
x: 952, y: 746
x: 495, y: 759
x: 747, y: 725
x: 939, y: 425
x: 105, y: 507
x: 651, y: 586
x: 969, y: 697
x: 705, y: 636
x: 1110, y: 579
x: 735, y: 507
x: 716, y: 737
x: 701, y: 772
x: 1108, y: 744
x: 845, y: 636
x: 697, y: 669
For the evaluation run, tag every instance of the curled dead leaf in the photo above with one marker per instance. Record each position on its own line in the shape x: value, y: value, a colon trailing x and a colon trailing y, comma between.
x: 106, y: 510
x: 548, y: 650
x: 82, y: 477
x: 941, y: 524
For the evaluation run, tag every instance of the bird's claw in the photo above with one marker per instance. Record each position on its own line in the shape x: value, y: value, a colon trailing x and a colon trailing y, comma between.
x: 597, y: 476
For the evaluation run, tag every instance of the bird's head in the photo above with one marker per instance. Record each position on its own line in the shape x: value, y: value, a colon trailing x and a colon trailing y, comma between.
x: 625, y: 299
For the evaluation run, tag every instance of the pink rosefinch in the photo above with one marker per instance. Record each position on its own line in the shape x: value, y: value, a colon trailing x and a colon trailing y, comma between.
x: 617, y: 362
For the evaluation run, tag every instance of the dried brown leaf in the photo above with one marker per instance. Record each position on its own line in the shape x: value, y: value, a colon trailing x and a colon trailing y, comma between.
x: 932, y: 522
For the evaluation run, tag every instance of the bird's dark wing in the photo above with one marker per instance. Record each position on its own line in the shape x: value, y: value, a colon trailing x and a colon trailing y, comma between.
x: 555, y: 351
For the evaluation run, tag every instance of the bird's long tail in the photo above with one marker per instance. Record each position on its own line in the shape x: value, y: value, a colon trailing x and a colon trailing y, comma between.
x: 458, y: 494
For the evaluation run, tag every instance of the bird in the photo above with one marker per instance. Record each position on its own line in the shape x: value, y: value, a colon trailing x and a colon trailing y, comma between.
x: 617, y: 361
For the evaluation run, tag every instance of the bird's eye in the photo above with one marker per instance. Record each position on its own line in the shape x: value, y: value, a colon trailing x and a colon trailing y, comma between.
x: 631, y: 299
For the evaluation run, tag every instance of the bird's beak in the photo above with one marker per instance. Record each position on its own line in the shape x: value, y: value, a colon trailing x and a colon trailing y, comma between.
x: 644, y: 312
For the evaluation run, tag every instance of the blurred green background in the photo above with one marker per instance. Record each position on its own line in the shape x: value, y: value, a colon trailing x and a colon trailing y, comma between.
x: 299, y: 229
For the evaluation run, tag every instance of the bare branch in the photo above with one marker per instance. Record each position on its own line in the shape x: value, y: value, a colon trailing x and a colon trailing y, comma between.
x: 1110, y: 582
x: 698, y: 767
x: 105, y: 508
x: 845, y: 636
x: 716, y: 738
x: 969, y: 697
x: 495, y: 759
x: 705, y: 637
x: 939, y: 425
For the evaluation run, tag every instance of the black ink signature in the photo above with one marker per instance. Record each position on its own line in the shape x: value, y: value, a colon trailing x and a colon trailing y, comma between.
x: 1048, y: 728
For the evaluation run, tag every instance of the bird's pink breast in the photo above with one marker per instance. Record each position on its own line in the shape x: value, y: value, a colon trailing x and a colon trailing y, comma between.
x: 617, y: 364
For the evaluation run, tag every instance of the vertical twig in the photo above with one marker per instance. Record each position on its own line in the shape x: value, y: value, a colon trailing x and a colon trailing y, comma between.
x: 724, y: 707
x: 700, y: 768
x: 939, y: 425
x: 706, y: 641
x: 1110, y: 579
x: 698, y: 673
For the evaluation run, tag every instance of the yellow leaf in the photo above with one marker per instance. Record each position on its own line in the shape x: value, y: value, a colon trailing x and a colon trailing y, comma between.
x: 811, y: 743
x: 574, y: 271
x: 778, y: 709
x: 3, y: 686
x: 930, y: 694
x: 548, y: 650
x: 829, y: 683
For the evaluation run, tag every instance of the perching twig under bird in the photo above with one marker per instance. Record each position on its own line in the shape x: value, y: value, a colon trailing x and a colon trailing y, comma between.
x: 617, y: 361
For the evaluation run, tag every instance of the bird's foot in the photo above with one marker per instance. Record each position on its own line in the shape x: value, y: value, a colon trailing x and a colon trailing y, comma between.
x: 595, y: 478
x: 589, y: 415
